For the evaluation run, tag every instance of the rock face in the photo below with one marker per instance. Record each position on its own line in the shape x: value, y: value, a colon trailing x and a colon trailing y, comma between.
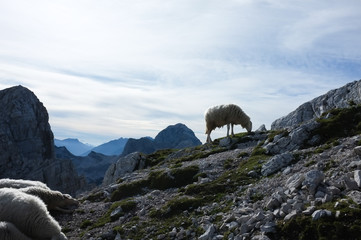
x: 337, y: 98
x: 124, y: 165
x: 175, y: 137
x: 26, y: 142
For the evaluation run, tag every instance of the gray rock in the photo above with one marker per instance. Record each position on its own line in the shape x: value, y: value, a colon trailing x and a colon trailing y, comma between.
x: 123, y: 165
x: 350, y: 184
x: 357, y: 150
x: 312, y: 179
x: 276, y: 163
x: 261, y: 128
x: 355, y: 196
x: 320, y: 214
x: 357, y: 177
x: 309, y: 210
x: 208, y: 234
x: 27, y: 143
x: 116, y: 213
x: 224, y: 142
x: 295, y: 181
x: 337, y: 98
x: 269, y: 227
x: 332, y: 190
x: 272, y: 204
x: 291, y: 215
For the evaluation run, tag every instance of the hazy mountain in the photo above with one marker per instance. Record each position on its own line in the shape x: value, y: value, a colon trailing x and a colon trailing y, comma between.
x: 74, y: 146
x: 93, y: 166
x: 111, y: 148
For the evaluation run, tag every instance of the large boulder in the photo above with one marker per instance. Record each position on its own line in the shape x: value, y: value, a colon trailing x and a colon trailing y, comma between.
x: 123, y: 166
x: 337, y: 98
x: 27, y: 142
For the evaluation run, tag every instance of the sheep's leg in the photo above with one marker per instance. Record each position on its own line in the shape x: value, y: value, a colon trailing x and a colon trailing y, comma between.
x: 209, y: 140
x: 227, y: 130
x: 232, y: 129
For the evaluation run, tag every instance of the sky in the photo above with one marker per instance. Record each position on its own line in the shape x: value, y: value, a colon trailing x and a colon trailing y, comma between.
x: 130, y: 68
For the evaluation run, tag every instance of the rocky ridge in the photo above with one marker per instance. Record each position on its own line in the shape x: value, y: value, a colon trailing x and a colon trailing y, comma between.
x: 26, y: 143
x: 336, y: 98
x: 297, y: 183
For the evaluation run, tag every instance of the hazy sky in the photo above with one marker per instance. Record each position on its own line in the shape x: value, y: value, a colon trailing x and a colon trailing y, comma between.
x: 129, y: 68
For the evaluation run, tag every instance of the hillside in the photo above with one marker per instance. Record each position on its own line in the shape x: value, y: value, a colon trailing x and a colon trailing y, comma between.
x: 300, y: 183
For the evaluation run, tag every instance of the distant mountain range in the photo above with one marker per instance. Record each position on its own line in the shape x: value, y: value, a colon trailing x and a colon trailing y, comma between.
x: 176, y: 136
x: 77, y: 148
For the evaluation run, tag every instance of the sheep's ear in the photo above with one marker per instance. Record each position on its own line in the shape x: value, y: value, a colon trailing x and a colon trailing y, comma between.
x: 67, y: 196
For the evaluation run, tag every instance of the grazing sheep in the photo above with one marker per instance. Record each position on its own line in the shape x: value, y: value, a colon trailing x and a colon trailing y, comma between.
x: 221, y: 115
x: 9, y: 232
x: 20, y: 183
x: 54, y: 200
x: 28, y: 214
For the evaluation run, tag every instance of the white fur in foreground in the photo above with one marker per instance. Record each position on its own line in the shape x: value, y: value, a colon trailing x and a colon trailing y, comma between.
x: 9, y: 232
x: 21, y: 183
x: 221, y: 115
x: 29, y: 215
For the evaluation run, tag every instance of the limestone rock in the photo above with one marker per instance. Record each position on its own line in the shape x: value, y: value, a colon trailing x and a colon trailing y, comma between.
x: 357, y: 150
x: 276, y: 163
x: 208, y: 234
x: 337, y: 98
x: 355, y: 196
x: 27, y: 142
x: 296, y: 139
x: 312, y: 179
x: 123, y: 165
x: 357, y: 177
x: 320, y: 214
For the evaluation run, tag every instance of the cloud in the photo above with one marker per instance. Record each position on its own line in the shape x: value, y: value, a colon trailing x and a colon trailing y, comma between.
x: 114, y: 69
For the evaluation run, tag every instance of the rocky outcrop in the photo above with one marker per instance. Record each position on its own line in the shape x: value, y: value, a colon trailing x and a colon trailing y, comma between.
x: 123, y: 166
x: 337, y: 98
x: 26, y: 142
x: 176, y: 136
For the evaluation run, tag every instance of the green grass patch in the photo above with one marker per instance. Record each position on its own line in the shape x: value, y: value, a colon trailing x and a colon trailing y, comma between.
x: 176, y: 206
x: 158, y: 157
x: 127, y: 205
x: 343, y: 122
x: 346, y: 226
x: 162, y: 179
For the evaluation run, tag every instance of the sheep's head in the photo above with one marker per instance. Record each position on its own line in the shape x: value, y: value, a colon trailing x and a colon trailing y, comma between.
x: 68, y: 201
x: 249, y: 126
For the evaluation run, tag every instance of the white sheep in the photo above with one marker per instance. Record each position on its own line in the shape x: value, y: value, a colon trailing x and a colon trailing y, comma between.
x: 21, y: 183
x: 9, y: 232
x: 54, y: 200
x: 29, y: 215
x: 221, y: 115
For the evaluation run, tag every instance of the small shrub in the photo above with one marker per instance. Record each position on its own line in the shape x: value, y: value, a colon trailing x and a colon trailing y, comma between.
x: 177, y: 206
x: 86, y: 223
x: 128, y: 189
